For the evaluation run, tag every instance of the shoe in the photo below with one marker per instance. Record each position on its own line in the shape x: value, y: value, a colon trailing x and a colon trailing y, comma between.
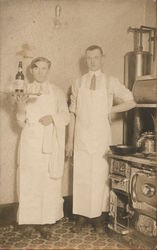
x: 98, y: 224
x: 99, y: 228
x: 78, y: 225
x: 105, y: 218
x: 45, y: 231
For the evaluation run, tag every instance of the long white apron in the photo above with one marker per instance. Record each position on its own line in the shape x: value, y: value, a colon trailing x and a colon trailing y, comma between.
x: 92, y: 138
x: 40, y: 200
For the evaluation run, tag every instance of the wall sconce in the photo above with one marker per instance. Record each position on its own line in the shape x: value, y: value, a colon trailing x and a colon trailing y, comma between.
x: 57, y: 21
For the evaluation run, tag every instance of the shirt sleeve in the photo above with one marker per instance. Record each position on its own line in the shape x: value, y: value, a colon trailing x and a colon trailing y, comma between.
x: 21, y: 119
x: 63, y: 111
x: 120, y: 92
x: 73, y: 97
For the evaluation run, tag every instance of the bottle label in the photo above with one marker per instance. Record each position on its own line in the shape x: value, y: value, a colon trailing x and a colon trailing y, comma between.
x: 19, y: 69
x: 19, y: 84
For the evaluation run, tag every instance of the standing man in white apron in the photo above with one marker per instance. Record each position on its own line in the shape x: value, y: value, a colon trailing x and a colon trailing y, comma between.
x: 41, y: 151
x: 89, y: 135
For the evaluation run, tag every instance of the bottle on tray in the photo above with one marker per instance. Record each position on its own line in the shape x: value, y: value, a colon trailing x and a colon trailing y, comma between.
x: 20, y: 87
x: 19, y: 80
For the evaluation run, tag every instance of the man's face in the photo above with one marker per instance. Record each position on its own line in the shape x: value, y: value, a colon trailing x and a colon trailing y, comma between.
x: 94, y: 59
x: 40, y: 71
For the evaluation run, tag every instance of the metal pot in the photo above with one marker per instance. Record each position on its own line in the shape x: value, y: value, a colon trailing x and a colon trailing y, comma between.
x: 146, y: 143
x: 122, y: 149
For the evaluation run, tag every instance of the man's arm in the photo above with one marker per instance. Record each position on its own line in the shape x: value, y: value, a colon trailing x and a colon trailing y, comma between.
x: 21, y: 109
x: 63, y: 109
x: 70, y: 140
x: 122, y: 96
x: 122, y: 107
x: 73, y: 102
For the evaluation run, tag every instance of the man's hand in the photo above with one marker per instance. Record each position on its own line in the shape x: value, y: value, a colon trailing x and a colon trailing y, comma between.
x: 69, y: 149
x: 20, y: 98
x: 46, y: 120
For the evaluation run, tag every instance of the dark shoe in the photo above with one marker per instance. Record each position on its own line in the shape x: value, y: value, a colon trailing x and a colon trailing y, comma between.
x: 99, y: 228
x: 45, y: 231
x: 105, y: 218
x: 79, y: 224
x: 98, y: 224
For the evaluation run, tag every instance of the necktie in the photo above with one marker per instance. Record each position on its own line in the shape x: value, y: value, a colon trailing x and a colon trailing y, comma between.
x: 93, y: 83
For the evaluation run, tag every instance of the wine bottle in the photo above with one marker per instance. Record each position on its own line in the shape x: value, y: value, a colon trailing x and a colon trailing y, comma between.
x: 19, y: 83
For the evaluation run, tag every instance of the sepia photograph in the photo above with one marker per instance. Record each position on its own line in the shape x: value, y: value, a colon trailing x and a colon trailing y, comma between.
x: 78, y: 124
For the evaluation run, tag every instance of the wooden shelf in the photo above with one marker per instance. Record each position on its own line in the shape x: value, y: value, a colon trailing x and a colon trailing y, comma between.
x: 146, y: 105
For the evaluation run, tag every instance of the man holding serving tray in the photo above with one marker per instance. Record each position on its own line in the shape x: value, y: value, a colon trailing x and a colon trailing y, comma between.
x: 43, y: 117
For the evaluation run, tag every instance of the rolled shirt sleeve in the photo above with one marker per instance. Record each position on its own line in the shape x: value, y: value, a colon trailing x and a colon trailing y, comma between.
x: 63, y: 108
x: 62, y: 116
x: 120, y: 92
x: 73, y: 97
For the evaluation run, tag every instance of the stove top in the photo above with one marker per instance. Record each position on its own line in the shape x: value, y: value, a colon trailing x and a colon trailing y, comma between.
x: 150, y: 160
x: 152, y: 156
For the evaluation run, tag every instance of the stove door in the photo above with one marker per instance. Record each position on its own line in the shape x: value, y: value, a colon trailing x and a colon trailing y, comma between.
x: 144, y: 190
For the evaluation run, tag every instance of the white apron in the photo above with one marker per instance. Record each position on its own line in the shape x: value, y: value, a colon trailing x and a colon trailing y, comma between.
x: 92, y: 138
x: 39, y: 193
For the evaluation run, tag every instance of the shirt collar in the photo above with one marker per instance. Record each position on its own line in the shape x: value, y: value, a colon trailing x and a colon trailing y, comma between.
x: 44, y: 86
x: 96, y: 73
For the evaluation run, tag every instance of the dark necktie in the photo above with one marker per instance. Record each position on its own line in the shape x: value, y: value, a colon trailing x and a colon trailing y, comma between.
x: 93, y: 83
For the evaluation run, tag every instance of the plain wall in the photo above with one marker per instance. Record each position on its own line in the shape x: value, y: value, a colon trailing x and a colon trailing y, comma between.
x: 28, y: 30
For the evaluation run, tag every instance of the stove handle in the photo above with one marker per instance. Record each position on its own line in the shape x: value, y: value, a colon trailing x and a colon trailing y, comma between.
x: 148, y: 190
x: 133, y: 183
x: 118, y: 178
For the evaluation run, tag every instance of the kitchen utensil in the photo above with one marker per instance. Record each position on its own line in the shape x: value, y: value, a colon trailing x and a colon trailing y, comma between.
x: 122, y: 149
x: 147, y: 143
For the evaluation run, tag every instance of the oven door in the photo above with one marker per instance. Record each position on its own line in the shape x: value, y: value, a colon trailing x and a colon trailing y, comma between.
x: 144, y: 192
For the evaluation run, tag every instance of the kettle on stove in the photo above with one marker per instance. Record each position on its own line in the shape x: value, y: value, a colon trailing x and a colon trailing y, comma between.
x: 146, y: 143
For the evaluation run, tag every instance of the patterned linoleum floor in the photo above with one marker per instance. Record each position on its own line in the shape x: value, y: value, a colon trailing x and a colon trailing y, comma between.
x: 63, y: 238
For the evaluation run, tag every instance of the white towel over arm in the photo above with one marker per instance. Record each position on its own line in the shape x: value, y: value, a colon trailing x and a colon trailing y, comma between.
x: 54, y: 139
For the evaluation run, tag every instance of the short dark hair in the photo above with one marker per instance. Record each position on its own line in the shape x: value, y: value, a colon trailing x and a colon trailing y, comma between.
x: 93, y: 47
x: 40, y: 59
